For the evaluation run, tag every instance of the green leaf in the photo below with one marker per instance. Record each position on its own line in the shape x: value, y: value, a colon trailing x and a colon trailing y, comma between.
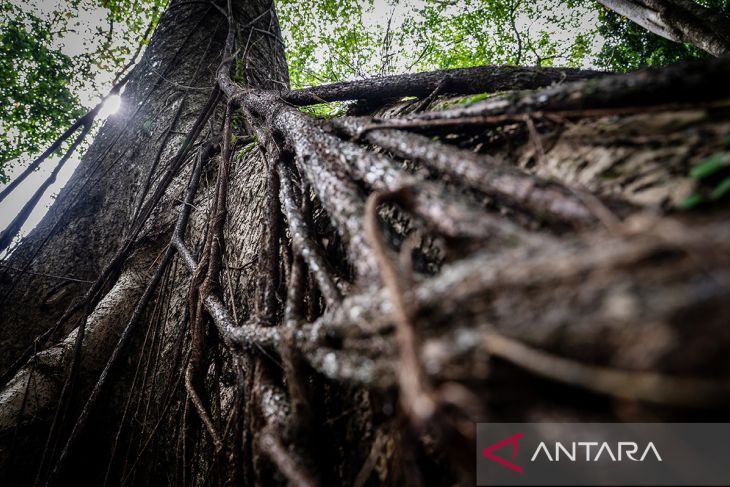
x: 691, y: 201
x: 721, y: 189
x: 709, y: 166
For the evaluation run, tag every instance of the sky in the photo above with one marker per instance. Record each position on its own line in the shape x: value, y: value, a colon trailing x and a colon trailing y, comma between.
x: 82, y: 27
x: 15, y: 201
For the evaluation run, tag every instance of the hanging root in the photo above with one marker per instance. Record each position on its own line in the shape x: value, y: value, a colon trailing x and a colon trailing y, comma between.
x: 270, y: 444
x: 417, y: 395
x: 205, y: 279
x: 200, y: 409
x: 304, y: 244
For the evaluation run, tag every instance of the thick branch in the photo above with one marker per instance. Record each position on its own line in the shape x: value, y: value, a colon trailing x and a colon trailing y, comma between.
x: 688, y: 83
x: 464, y: 81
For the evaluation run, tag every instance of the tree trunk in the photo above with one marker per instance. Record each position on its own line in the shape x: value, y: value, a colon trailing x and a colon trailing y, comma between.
x: 96, y: 228
x: 229, y: 291
x: 678, y: 20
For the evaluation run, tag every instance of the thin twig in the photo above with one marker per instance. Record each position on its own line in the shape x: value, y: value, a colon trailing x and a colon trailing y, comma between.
x: 53, y: 276
x: 423, y: 104
x: 371, y: 460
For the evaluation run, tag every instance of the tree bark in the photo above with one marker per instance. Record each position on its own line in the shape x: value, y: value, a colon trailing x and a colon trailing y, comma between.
x: 45, y: 283
x: 678, y: 20
x: 465, y: 81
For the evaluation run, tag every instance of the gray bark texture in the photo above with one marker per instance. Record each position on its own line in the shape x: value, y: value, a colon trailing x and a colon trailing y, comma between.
x: 678, y: 20
x: 229, y: 291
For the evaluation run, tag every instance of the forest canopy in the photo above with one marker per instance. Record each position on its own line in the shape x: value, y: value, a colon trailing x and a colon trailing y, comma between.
x: 73, y: 51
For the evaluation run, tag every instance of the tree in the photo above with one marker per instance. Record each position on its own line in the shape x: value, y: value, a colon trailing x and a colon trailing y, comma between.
x: 629, y: 47
x: 42, y: 86
x: 48, y: 79
x: 230, y: 290
x: 678, y: 20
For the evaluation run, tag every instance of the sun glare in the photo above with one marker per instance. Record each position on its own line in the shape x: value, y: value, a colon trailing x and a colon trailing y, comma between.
x: 111, y: 106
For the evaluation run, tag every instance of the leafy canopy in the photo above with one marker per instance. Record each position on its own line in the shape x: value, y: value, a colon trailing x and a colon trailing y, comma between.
x: 55, y: 62
x: 336, y: 40
x: 36, y: 100
x: 627, y: 47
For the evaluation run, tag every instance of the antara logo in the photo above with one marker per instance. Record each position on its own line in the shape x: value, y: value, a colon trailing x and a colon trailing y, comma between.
x: 623, y: 449
x: 590, y: 451
x: 488, y: 452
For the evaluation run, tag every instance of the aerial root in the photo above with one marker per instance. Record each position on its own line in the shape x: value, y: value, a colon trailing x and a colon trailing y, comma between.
x: 200, y: 409
x: 304, y: 244
x: 420, y: 400
x: 416, y: 393
x: 423, y: 404
x: 270, y: 443
x: 428, y: 407
x: 206, y: 278
x: 506, y: 183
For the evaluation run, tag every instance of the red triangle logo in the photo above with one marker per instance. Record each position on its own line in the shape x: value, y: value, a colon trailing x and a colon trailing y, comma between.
x: 512, y: 440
